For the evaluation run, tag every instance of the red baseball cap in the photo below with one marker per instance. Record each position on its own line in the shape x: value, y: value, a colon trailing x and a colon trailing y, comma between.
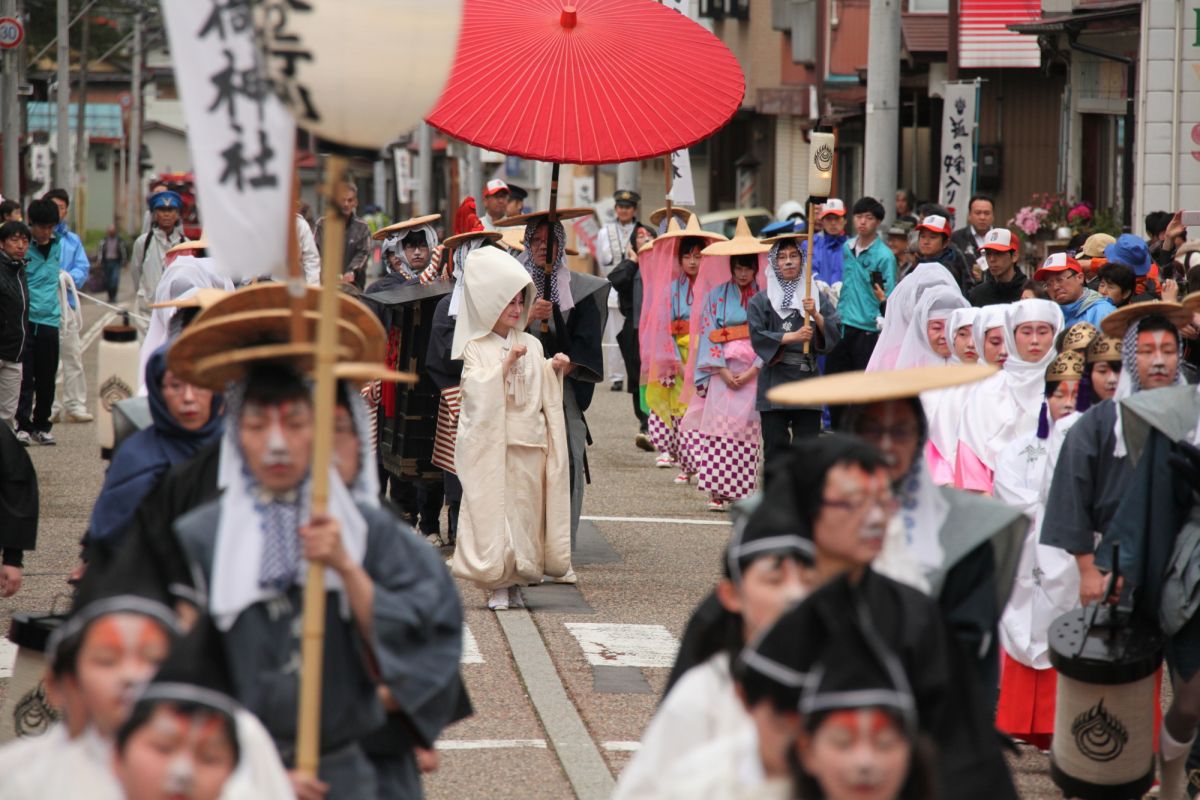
x: 1057, y: 262
x: 494, y: 186
x: 935, y: 224
x: 833, y: 206
x: 999, y: 239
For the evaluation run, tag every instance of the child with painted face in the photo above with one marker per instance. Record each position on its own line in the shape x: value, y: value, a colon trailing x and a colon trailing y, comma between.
x: 859, y: 738
x: 188, y: 739
x: 100, y: 659
x: 765, y: 570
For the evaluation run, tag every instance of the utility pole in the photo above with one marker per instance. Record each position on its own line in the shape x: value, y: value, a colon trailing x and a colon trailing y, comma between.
x: 883, y: 100
x: 424, y: 169
x: 133, y: 199
x: 11, y: 112
x: 62, y: 158
x: 79, y: 196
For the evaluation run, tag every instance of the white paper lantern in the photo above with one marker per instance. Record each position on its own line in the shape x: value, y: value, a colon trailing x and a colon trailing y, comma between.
x: 820, y: 164
x: 359, y: 72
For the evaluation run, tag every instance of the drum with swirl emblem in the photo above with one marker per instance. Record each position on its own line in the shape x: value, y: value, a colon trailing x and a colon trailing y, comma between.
x: 1107, y: 661
x: 26, y: 711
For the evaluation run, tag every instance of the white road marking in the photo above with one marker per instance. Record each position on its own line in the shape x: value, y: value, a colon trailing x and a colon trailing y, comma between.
x: 470, y: 651
x: 89, y: 337
x: 661, y: 520
x: 608, y: 644
x: 490, y: 744
x: 622, y: 747
x: 8, y: 655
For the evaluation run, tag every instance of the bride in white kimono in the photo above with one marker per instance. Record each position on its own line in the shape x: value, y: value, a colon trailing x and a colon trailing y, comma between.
x: 515, y: 520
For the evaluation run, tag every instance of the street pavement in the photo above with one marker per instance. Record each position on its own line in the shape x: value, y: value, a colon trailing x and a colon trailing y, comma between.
x: 563, y: 691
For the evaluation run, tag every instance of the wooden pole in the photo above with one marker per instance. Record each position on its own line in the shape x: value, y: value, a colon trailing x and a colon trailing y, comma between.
x: 312, y: 653
x: 808, y: 271
x: 551, y: 241
x: 295, y: 275
x: 668, y: 173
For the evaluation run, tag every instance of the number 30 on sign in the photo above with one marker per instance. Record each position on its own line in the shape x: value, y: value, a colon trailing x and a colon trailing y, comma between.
x: 12, y: 33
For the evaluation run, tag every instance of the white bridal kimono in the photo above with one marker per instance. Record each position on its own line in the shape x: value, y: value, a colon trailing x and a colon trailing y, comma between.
x: 514, y: 525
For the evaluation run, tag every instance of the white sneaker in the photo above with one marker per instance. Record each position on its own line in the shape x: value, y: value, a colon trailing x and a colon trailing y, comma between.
x: 23, y: 438
x: 498, y: 599
x: 79, y: 416
x: 664, y: 462
x: 683, y: 478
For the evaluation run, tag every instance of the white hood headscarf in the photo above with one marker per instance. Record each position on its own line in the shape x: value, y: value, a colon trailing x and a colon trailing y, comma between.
x: 900, y: 307
x: 491, y: 280
x: 560, y: 277
x: 989, y: 317
x: 786, y: 296
x: 1007, y: 404
x: 936, y: 303
x: 959, y: 319
x: 184, y: 275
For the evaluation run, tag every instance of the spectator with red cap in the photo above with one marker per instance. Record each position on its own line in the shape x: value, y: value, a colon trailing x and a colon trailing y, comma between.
x: 933, y: 244
x: 1004, y: 281
x: 1063, y: 278
x: 495, y: 203
x: 827, y: 243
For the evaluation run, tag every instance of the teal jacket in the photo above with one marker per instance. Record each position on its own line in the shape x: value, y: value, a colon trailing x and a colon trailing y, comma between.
x: 857, y: 305
x: 74, y: 258
x: 42, y: 275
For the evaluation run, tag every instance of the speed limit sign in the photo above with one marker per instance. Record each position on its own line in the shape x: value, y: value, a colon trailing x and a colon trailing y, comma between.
x: 12, y: 32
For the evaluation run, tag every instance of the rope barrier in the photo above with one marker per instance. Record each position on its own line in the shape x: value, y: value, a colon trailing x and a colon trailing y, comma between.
x: 118, y: 309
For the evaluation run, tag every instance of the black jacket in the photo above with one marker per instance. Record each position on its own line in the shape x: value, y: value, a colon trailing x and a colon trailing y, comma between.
x: 14, y: 308
x: 992, y: 292
x: 958, y: 264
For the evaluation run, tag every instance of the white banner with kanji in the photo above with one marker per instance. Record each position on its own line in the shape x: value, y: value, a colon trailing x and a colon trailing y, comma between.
x: 958, y: 149
x: 683, y: 191
x: 242, y: 138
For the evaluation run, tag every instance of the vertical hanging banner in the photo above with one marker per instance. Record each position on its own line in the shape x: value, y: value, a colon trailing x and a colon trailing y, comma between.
x: 683, y: 191
x: 241, y: 136
x: 958, y: 150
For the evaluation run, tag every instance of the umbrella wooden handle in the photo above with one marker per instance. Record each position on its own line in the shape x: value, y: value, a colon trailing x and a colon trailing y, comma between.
x: 312, y: 643
x: 808, y: 271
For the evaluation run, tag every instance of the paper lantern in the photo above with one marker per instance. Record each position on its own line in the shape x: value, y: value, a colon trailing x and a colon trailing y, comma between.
x: 820, y: 164
x: 359, y: 73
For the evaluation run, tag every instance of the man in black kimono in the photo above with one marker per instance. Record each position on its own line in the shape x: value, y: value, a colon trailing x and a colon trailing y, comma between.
x: 626, y: 279
x: 1093, y: 472
x: 393, y: 622
x: 836, y: 490
x: 788, y: 331
x: 569, y: 317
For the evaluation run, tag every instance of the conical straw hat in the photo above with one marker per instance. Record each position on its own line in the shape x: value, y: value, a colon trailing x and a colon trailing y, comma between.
x: 459, y: 238
x: 693, y: 229
x: 856, y: 388
x: 743, y: 243
x: 1116, y: 323
x: 677, y: 212
x: 408, y: 224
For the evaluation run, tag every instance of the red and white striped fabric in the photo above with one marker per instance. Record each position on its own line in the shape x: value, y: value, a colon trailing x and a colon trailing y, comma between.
x: 985, y: 40
x: 446, y: 433
x: 370, y: 394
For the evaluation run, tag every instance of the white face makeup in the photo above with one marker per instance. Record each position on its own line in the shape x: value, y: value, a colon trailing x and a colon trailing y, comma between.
x: 858, y: 754
x: 1157, y: 358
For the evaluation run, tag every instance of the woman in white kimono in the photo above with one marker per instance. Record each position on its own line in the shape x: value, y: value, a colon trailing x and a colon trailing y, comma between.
x: 514, y: 524
x: 1047, y: 583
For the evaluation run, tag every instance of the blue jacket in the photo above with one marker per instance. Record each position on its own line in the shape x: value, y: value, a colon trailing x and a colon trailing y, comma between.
x: 74, y: 258
x: 857, y: 305
x: 827, y: 257
x: 41, y: 273
x: 1090, y: 307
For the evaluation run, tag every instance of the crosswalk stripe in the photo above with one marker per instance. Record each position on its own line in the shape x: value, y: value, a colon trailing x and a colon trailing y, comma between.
x: 8, y: 655
x: 490, y: 744
x: 470, y: 650
x: 607, y: 644
x: 723, y: 521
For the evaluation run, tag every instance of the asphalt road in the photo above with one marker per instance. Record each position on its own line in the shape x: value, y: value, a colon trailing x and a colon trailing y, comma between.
x: 563, y: 691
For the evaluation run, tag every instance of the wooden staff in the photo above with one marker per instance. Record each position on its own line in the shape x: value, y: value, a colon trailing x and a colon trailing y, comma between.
x: 551, y: 240
x: 808, y: 272
x: 295, y: 275
x: 312, y: 653
x: 668, y: 173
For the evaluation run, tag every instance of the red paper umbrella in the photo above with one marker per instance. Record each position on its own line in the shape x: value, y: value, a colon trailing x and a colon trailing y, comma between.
x: 566, y: 83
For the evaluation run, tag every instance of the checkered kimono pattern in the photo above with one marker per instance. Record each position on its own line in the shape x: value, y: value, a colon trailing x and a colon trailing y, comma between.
x: 728, y: 468
x: 690, y: 457
x: 665, y: 436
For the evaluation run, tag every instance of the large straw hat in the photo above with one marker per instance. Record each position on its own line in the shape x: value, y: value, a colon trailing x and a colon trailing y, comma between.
x: 1192, y: 301
x: 692, y: 229
x: 459, y: 238
x: 539, y: 216
x: 677, y: 212
x: 1116, y: 323
x: 743, y: 243
x: 213, y: 352
x: 779, y: 237
x: 513, y: 239
x: 365, y: 372
x: 267, y: 296
x: 201, y: 298
x: 194, y: 244
x: 408, y: 224
x: 855, y: 388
